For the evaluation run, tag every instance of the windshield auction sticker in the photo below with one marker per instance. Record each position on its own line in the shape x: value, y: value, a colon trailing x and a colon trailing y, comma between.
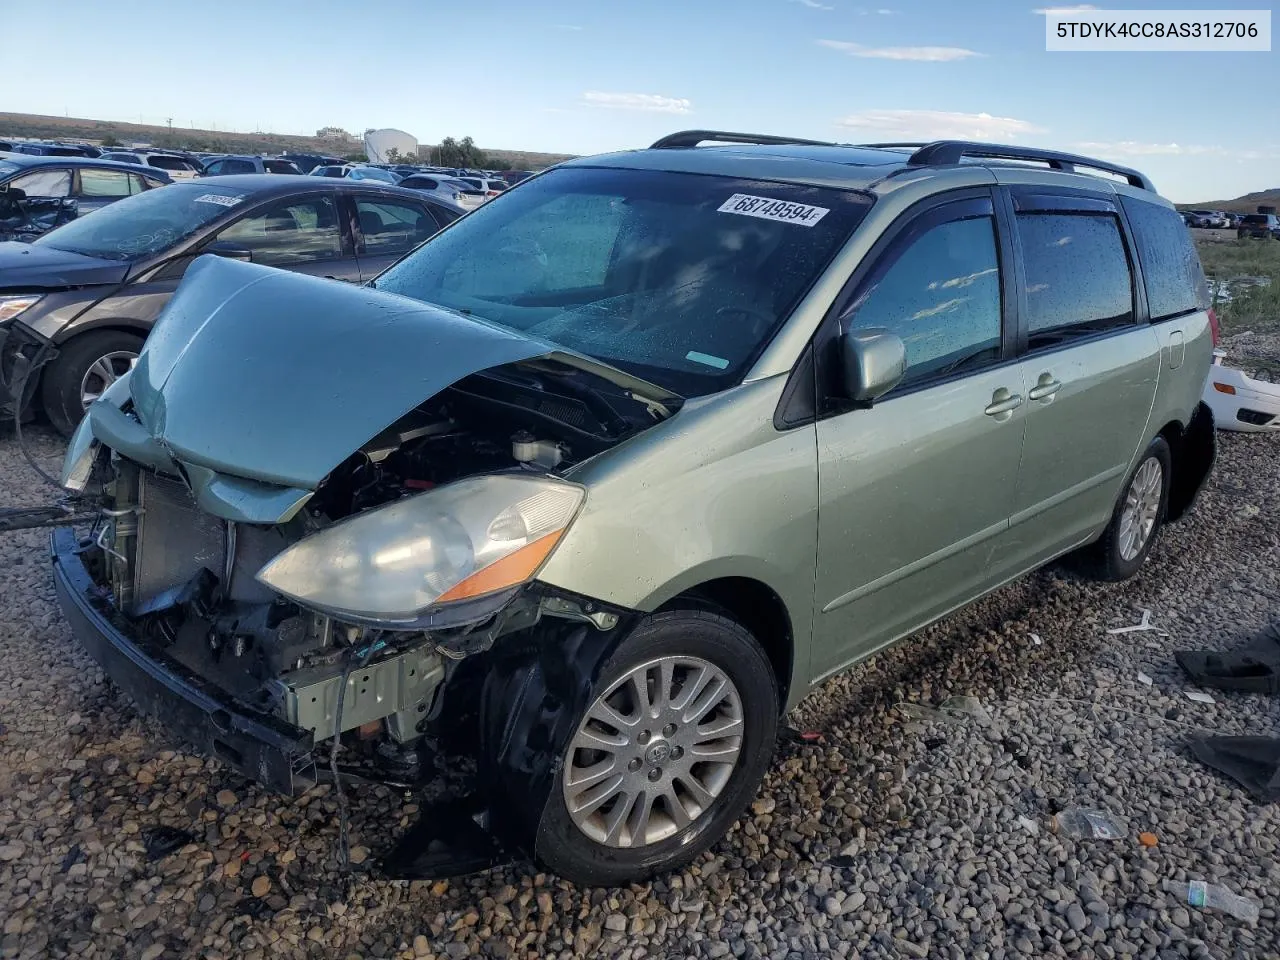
x: 219, y: 199
x: 766, y: 208
x: 1084, y: 29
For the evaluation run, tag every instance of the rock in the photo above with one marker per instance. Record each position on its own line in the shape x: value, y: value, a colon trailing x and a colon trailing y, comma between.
x: 616, y: 922
x: 421, y: 946
x: 225, y: 799
x: 359, y: 854
x: 831, y: 906
x: 763, y: 805
x: 145, y: 776
x: 12, y: 850
x: 1076, y: 919
x: 261, y: 886
x: 152, y: 952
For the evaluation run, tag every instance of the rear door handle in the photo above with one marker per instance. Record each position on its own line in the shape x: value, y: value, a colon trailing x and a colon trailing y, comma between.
x: 1046, y: 388
x: 1003, y: 403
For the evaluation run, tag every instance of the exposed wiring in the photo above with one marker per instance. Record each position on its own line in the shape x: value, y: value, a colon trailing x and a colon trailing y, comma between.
x: 344, y: 843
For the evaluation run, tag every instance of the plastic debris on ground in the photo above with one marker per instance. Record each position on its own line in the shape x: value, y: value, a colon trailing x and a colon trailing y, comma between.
x: 1088, y: 824
x: 1148, y: 839
x: 1212, y: 896
x: 1141, y: 627
x: 1253, y: 762
x: 952, y: 710
x: 1029, y: 825
x: 1144, y: 679
x: 1035, y: 639
x: 161, y: 841
x: 1253, y: 668
x: 1199, y: 696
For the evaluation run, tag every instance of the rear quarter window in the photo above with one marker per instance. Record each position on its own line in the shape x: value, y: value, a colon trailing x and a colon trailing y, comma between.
x: 1170, y: 264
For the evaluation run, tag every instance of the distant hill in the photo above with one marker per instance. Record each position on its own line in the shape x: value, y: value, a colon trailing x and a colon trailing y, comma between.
x: 36, y: 126
x: 1249, y: 203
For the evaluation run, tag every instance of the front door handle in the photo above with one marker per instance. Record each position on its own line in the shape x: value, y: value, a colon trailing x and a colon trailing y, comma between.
x: 1002, y: 404
x: 1046, y: 388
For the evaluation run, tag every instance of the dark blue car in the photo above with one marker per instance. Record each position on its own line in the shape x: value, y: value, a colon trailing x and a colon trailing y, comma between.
x: 38, y: 193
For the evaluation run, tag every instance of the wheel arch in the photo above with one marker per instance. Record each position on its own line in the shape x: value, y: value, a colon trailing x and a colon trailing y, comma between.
x: 758, y: 608
x: 1193, y: 450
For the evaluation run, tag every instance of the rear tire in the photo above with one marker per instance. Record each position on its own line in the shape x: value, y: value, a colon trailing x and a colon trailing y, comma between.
x: 1136, y: 521
x: 663, y: 653
x: 66, y: 378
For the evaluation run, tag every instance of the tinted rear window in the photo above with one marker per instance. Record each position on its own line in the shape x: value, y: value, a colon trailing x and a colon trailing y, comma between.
x: 279, y: 166
x: 1170, y: 264
x: 1078, y: 280
x: 1257, y: 218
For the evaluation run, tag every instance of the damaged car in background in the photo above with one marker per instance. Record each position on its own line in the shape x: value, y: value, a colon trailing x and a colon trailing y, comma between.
x: 589, y: 489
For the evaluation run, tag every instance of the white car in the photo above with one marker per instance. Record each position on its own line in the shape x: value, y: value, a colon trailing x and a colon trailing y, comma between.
x: 454, y: 189
x: 488, y: 186
x: 1238, y: 401
x: 178, y: 168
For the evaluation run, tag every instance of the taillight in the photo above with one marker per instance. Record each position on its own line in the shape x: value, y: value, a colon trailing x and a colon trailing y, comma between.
x: 1213, y: 327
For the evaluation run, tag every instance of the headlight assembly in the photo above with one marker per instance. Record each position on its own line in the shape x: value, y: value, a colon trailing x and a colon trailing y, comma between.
x: 389, y: 565
x: 10, y: 307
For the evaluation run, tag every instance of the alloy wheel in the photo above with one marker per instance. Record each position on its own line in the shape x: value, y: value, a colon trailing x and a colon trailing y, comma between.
x: 103, y: 372
x: 653, y: 752
x: 1141, y: 508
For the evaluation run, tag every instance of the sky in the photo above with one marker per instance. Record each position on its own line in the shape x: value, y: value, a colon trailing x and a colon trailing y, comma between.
x: 589, y: 76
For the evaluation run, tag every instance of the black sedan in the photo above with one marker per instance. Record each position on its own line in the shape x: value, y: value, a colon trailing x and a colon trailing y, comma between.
x: 40, y: 193
x: 95, y: 286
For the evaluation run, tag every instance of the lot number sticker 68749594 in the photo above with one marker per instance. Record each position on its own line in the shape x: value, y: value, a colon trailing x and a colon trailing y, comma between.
x: 766, y: 208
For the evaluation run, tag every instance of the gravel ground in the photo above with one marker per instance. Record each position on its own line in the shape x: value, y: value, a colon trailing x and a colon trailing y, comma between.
x: 891, y: 838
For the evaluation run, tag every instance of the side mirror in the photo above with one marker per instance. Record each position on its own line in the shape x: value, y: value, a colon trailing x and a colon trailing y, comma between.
x: 872, y: 363
x: 232, y: 251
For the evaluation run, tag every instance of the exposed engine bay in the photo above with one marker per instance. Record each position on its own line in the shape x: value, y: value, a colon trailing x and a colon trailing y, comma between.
x: 186, y: 580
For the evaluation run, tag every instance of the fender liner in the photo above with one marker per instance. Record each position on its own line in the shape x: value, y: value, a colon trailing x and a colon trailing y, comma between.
x: 1194, y: 453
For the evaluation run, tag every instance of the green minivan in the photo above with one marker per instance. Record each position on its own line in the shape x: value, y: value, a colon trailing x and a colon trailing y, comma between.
x: 591, y: 487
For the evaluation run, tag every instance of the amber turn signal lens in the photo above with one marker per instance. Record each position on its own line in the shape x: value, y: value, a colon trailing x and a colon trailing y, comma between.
x: 1224, y: 388
x: 507, y: 572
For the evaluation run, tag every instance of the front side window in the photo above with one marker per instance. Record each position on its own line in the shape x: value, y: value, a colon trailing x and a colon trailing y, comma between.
x: 1077, y: 272
x: 279, y: 166
x: 680, y: 279
x: 297, y: 231
x: 104, y: 183
x: 44, y: 183
x: 169, y: 163
x: 1170, y: 265
x: 390, y: 226
x: 238, y: 166
x: 942, y: 297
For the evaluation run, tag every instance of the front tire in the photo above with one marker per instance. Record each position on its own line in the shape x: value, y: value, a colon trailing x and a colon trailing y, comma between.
x: 672, y: 745
x: 1136, y: 521
x: 85, y: 366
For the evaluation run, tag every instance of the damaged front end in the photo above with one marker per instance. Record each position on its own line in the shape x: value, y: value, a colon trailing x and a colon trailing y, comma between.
x: 267, y: 586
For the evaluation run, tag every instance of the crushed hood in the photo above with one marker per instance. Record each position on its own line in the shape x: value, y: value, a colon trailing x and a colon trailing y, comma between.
x: 279, y: 377
x: 37, y: 266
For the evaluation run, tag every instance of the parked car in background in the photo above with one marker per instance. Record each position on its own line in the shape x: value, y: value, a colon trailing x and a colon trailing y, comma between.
x: 513, y: 177
x: 602, y: 480
x: 355, y: 171
x: 234, y: 165
x: 328, y: 228
x: 447, y: 188
x: 1208, y: 219
x: 306, y: 162
x: 37, y: 149
x: 39, y: 193
x: 1258, y: 226
x: 489, y: 188
x: 178, y: 168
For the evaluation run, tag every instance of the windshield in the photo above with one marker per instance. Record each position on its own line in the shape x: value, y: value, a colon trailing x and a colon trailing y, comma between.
x: 679, y: 279
x: 144, y: 224
x: 374, y: 173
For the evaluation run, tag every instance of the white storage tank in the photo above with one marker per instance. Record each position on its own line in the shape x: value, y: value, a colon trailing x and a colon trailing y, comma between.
x: 379, y: 143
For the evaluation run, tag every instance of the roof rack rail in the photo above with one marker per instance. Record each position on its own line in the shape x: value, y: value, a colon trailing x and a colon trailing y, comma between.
x: 952, y: 151
x: 691, y: 138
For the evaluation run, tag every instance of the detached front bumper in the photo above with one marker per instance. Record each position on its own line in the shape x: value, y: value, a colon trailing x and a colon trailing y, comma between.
x: 259, y: 746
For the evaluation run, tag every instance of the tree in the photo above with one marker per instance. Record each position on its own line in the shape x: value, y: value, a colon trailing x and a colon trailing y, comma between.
x: 452, y: 153
x: 395, y: 156
x: 110, y: 141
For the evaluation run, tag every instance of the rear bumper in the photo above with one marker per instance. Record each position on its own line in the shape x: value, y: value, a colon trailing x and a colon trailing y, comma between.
x: 259, y: 746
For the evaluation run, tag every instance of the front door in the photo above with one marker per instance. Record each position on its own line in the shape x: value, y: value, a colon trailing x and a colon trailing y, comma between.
x: 1090, y: 369
x: 916, y: 491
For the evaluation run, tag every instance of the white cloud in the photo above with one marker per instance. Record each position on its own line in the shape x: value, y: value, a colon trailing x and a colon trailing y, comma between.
x: 813, y: 4
x: 1133, y: 148
x: 938, y: 125
x: 568, y: 26
x: 1078, y: 8
x: 648, y: 102
x: 931, y: 54
x: 885, y: 12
